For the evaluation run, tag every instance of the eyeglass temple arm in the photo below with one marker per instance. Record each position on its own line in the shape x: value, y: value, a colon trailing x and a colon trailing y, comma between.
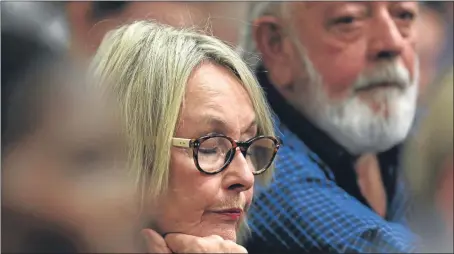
x: 181, y: 142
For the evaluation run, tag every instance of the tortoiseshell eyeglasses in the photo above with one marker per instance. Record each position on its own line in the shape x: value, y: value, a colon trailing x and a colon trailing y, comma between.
x: 213, y: 153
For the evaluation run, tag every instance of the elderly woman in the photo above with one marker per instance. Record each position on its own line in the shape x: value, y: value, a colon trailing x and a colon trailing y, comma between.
x: 428, y: 163
x: 199, y: 133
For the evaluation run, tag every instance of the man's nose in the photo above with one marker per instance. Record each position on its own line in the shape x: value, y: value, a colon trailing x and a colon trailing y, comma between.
x: 386, y: 41
x: 238, y: 175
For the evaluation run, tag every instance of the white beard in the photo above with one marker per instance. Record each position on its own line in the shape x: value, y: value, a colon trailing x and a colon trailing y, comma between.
x: 351, y: 122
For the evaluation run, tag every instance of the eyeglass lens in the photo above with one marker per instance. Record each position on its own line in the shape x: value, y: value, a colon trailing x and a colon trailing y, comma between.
x: 215, y: 152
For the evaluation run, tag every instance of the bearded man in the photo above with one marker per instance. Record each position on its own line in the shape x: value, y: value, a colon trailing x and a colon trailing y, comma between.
x: 342, y: 79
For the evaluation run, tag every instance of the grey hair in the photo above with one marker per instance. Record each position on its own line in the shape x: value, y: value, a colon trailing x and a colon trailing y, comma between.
x: 247, y: 47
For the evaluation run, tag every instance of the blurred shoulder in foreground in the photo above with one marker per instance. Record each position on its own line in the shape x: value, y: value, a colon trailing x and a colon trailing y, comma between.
x: 428, y: 163
x: 60, y: 189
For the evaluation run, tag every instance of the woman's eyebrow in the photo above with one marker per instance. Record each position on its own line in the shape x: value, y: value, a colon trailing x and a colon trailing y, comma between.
x: 218, y: 123
x: 250, y: 127
x: 214, y: 121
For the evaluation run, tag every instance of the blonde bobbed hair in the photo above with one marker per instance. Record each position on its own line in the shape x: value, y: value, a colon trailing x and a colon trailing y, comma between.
x: 147, y: 66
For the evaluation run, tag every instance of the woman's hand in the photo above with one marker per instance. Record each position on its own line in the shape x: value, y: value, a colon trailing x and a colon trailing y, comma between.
x: 181, y: 243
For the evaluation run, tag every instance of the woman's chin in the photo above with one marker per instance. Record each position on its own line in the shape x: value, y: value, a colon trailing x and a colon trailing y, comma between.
x: 229, y: 235
x: 224, y: 232
x: 228, y: 231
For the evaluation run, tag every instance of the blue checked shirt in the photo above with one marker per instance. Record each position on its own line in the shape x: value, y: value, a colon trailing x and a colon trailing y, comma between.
x: 305, y: 210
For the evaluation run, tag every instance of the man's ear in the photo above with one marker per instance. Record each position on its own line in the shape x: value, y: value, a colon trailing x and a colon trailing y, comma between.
x: 275, y: 48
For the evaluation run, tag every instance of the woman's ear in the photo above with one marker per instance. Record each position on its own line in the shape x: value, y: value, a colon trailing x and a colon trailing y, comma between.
x: 275, y: 48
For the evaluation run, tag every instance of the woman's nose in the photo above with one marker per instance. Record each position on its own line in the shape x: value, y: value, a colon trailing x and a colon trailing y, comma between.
x: 238, y: 175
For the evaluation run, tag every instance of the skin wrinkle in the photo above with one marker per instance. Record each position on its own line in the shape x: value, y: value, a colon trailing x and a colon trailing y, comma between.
x: 214, y: 121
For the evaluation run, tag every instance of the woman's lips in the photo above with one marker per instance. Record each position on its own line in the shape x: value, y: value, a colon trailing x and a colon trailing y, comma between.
x: 230, y: 214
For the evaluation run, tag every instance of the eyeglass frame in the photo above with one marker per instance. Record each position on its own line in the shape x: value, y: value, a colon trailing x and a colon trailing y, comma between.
x: 194, y: 144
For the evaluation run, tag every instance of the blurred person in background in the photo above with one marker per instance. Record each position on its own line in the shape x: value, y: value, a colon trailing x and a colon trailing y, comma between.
x: 30, y: 30
x: 199, y: 133
x: 90, y: 21
x: 446, y: 10
x: 61, y: 191
x: 431, y: 38
x: 428, y: 164
x: 42, y: 20
x: 342, y: 78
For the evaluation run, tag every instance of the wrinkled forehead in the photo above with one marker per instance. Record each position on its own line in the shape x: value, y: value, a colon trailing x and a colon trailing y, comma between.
x: 303, y: 7
x: 211, y: 80
x: 215, y: 95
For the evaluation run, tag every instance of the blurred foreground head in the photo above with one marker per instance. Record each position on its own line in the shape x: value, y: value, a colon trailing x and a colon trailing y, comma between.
x: 184, y: 98
x: 428, y: 164
x: 63, y: 187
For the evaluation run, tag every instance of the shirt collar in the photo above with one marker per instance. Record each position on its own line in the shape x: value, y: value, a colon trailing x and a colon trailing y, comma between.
x: 319, y: 142
x: 330, y: 154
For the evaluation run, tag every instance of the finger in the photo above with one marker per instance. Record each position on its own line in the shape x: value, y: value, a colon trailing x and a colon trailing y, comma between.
x: 181, y: 243
x: 229, y: 246
x: 239, y: 249
x: 154, y: 242
x: 215, y: 238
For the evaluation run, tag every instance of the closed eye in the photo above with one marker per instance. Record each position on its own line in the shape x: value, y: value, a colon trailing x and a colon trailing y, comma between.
x: 344, y: 20
x: 208, y: 151
x: 406, y: 15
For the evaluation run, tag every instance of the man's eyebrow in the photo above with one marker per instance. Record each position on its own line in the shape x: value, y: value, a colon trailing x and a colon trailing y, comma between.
x: 406, y: 4
x: 336, y: 5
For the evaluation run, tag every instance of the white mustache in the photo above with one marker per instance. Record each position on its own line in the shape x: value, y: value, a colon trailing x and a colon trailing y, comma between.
x: 390, y: 72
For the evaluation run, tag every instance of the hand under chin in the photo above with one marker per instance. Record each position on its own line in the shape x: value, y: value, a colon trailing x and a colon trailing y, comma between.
x: 224, y: 230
